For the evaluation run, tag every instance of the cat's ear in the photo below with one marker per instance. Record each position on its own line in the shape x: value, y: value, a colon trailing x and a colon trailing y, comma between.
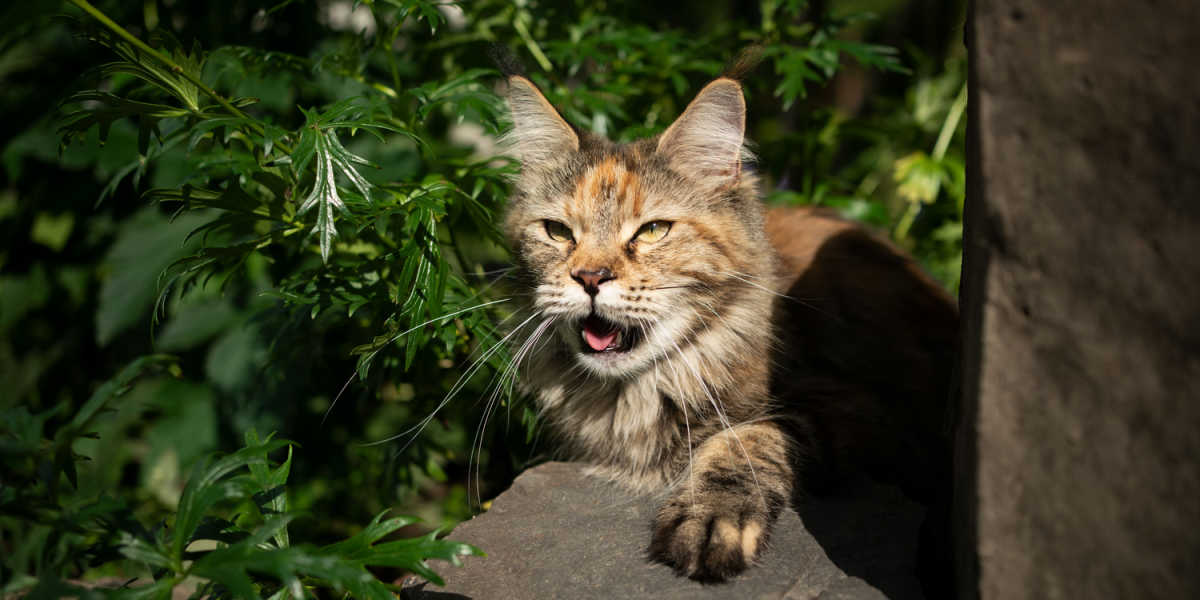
x: 706, y: 140
x: 539, y: 133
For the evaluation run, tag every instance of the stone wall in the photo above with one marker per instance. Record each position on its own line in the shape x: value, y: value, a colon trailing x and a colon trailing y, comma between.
x: 1081, y: 435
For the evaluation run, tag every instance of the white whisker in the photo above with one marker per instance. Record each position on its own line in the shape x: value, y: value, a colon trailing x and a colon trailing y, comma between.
x: 688, y: 427
x: 458, y: 385
x: 510, y: 371
x: 373, y: 353
x: 744, y: 278
x: 723, y: 418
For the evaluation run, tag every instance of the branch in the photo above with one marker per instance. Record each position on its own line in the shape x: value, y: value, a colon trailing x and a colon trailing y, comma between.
x: 166, y: 60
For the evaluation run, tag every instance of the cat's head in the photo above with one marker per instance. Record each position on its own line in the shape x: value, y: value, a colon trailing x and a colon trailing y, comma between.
x: 638, y: 250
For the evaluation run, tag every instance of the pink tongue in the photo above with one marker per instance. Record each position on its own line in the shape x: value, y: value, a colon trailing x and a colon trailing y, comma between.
x: 599, y: 341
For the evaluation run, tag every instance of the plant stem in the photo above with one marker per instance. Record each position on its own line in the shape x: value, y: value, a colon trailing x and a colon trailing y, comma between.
x: 951, y: 124
x: 953, y: 116
x: 166, y: 60
x: 534, y: 48
x: 906, y: 221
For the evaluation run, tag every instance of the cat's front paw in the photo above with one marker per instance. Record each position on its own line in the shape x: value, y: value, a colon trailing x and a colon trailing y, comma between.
x: 711, y: 537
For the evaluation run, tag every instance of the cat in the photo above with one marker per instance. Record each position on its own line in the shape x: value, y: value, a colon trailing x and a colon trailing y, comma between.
x: 685, y: 341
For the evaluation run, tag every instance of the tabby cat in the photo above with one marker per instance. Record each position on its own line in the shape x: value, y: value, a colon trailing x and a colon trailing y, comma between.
x: 690, y: 343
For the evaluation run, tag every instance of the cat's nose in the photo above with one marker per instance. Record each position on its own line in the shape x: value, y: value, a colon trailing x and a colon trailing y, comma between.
x: 591, y: 279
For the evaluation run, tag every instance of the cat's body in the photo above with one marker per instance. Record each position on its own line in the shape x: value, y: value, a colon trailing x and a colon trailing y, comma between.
x: 677, y: 329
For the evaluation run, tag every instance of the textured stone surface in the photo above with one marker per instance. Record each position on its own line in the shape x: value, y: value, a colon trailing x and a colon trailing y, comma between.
x: 1082, y: 300
x: 557, y: 533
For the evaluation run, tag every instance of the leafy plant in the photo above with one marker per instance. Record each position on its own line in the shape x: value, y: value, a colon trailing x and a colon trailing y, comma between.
x: 248, y: 555
x: 299, y: 204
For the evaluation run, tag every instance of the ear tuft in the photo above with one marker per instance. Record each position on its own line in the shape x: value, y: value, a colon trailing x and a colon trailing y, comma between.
x: 706, y: 140
x: 539, y: 133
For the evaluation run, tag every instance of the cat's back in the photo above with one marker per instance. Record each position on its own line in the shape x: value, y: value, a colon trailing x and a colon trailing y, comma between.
x: 864, y: 336
x: 808, y: 237
x: 844, y: 280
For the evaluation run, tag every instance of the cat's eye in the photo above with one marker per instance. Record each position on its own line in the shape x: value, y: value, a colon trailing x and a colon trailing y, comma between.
x: 652, y: 231
x: 558, y: 231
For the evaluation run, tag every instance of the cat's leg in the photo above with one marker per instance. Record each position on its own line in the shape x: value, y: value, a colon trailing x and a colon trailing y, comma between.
x: 719, y: 517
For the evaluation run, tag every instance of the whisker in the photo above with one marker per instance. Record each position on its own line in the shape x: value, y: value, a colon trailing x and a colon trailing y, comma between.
x: 375, y: 352
x: 688, y: 427
x: 457, y: 387
x: 743, y: 277
x: 510, y: 371
x: 505, y: 271
x: 722, y: 417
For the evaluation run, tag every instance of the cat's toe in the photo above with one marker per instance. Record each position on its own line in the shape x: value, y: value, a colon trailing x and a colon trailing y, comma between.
x: 725, y: 555
x: 707, y: 547
x: 678, y: 543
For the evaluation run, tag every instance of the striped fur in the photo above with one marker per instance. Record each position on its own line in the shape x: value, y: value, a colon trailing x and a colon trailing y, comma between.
x: 697, y: 409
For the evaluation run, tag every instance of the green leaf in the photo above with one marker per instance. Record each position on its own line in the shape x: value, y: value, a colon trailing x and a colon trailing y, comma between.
x: 319, y: 142
x: 229, y: 566
x: 185, y: 431
x: 409, y: 554
x: 423, y: 10
x: 149, y: 69
x: 920, y: 177
x: 102, y: 109
x: 52, y: 231
x: 159, y: 590
x: 340, y: 566
x: 884, y: 58
x: 142, y: 551
x: 146, y: 245
x: 271, y: 481
x: 196, y: 322
x: 235, y: 357
x: 210, y: 485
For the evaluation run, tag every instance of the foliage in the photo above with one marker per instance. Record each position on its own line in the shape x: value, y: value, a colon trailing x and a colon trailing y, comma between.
x: 298, y: 193
x: 200, y: 549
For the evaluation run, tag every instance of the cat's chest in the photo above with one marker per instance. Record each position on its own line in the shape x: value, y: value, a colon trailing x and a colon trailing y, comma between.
x: 627, y: 428
x: 602, y: 410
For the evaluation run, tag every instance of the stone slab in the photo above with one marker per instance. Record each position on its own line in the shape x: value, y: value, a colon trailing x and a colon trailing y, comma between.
x: 557, y: 533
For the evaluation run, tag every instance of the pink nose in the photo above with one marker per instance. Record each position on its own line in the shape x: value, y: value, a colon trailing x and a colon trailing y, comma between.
x: 591, y: 279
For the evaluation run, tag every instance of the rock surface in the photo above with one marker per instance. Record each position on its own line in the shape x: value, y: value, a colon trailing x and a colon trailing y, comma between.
x: 1081, y: 302
x: 557, y: 533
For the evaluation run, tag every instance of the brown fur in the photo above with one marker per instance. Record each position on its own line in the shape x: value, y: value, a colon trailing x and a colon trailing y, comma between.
x: 767, y: 347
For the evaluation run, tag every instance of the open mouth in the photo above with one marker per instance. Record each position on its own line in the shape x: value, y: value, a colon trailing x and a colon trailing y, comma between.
x: 601, y: 335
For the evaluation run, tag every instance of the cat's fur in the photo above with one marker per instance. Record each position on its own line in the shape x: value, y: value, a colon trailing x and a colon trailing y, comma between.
x: 755, y: 349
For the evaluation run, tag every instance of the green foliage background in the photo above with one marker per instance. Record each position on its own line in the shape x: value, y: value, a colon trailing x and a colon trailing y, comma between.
x: 275, y: 205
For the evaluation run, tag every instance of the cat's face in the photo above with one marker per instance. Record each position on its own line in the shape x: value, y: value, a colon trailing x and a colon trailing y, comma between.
x: 628, y: 247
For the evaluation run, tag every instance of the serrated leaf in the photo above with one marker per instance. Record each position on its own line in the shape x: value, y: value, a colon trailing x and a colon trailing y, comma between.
x: 272, y: 482
x: 319, y: 143
x: 409, y: 554
x: 340, y: 566
x: 210, y: 486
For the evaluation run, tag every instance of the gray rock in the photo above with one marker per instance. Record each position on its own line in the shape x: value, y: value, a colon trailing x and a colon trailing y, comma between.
x: 1081, y: 302
x: 557, y: 533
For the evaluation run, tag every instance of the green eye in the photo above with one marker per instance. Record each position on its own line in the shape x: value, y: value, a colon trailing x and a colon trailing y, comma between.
x: 558, y: 231
x: 653, y: 231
